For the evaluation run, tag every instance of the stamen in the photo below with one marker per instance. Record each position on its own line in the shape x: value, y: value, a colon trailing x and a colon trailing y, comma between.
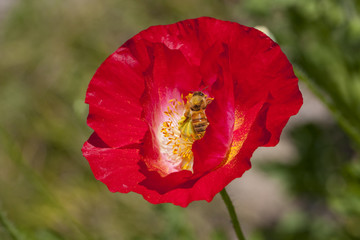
x: 176, y: 147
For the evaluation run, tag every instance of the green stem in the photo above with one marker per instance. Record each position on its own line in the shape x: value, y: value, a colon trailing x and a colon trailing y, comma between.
x: 232, y: 213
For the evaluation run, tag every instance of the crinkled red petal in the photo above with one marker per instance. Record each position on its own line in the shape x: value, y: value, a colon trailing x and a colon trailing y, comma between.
x: 271, y: 80
x: 116, y: 167
x: 114, y: 96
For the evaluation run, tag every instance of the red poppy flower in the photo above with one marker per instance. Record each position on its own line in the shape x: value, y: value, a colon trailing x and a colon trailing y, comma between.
x: 145, y: 138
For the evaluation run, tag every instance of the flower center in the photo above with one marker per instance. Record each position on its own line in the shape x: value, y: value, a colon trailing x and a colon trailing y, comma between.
x: 183, y: 125
x: 173, y: 144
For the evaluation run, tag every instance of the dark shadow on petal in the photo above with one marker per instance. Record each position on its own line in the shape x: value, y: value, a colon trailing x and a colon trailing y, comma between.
x: 96, y: 141
x: 132, y: 146
x: 162, y: 185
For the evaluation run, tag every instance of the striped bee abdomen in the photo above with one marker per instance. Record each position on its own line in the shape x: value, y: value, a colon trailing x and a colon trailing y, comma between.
x: 199, y: 121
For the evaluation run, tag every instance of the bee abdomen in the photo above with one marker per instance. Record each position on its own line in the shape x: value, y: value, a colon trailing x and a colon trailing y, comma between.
x: 199, y: 122
x: 199, y: 128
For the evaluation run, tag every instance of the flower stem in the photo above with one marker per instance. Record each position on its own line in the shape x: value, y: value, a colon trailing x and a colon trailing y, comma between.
x: 232, y: 213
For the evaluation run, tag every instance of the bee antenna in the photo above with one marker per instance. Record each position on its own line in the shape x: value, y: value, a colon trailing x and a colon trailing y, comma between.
x: 205, y: 88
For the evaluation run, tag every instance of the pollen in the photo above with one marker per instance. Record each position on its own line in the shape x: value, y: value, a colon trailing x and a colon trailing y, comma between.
x: 175, y: 146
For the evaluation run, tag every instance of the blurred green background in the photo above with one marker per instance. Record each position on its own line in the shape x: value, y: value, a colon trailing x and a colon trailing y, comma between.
x: 49, y: 50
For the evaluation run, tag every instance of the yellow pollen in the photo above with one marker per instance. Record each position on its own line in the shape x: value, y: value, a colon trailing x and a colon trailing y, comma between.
x: 180, y: 146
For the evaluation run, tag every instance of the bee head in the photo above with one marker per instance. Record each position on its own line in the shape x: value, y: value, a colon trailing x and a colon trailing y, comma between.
x: 198, y: 93
x: 198, y: 101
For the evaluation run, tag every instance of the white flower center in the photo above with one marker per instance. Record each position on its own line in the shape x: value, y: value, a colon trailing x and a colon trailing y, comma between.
x: 175, y: 148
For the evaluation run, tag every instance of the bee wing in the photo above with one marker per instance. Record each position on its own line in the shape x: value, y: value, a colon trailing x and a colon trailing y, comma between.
x: 186, y: 128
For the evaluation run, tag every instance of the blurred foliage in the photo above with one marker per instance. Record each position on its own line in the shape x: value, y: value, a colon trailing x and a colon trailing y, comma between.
x: 324, y: 181
x: 49, y: 51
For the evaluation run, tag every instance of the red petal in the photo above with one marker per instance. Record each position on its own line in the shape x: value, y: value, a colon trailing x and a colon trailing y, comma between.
x: 114, y: 99
x: 271, y: 80
x: 212, y: 149
x: 117, y: 168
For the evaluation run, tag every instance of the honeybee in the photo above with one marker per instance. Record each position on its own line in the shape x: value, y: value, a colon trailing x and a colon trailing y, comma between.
x: 194, y: 122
